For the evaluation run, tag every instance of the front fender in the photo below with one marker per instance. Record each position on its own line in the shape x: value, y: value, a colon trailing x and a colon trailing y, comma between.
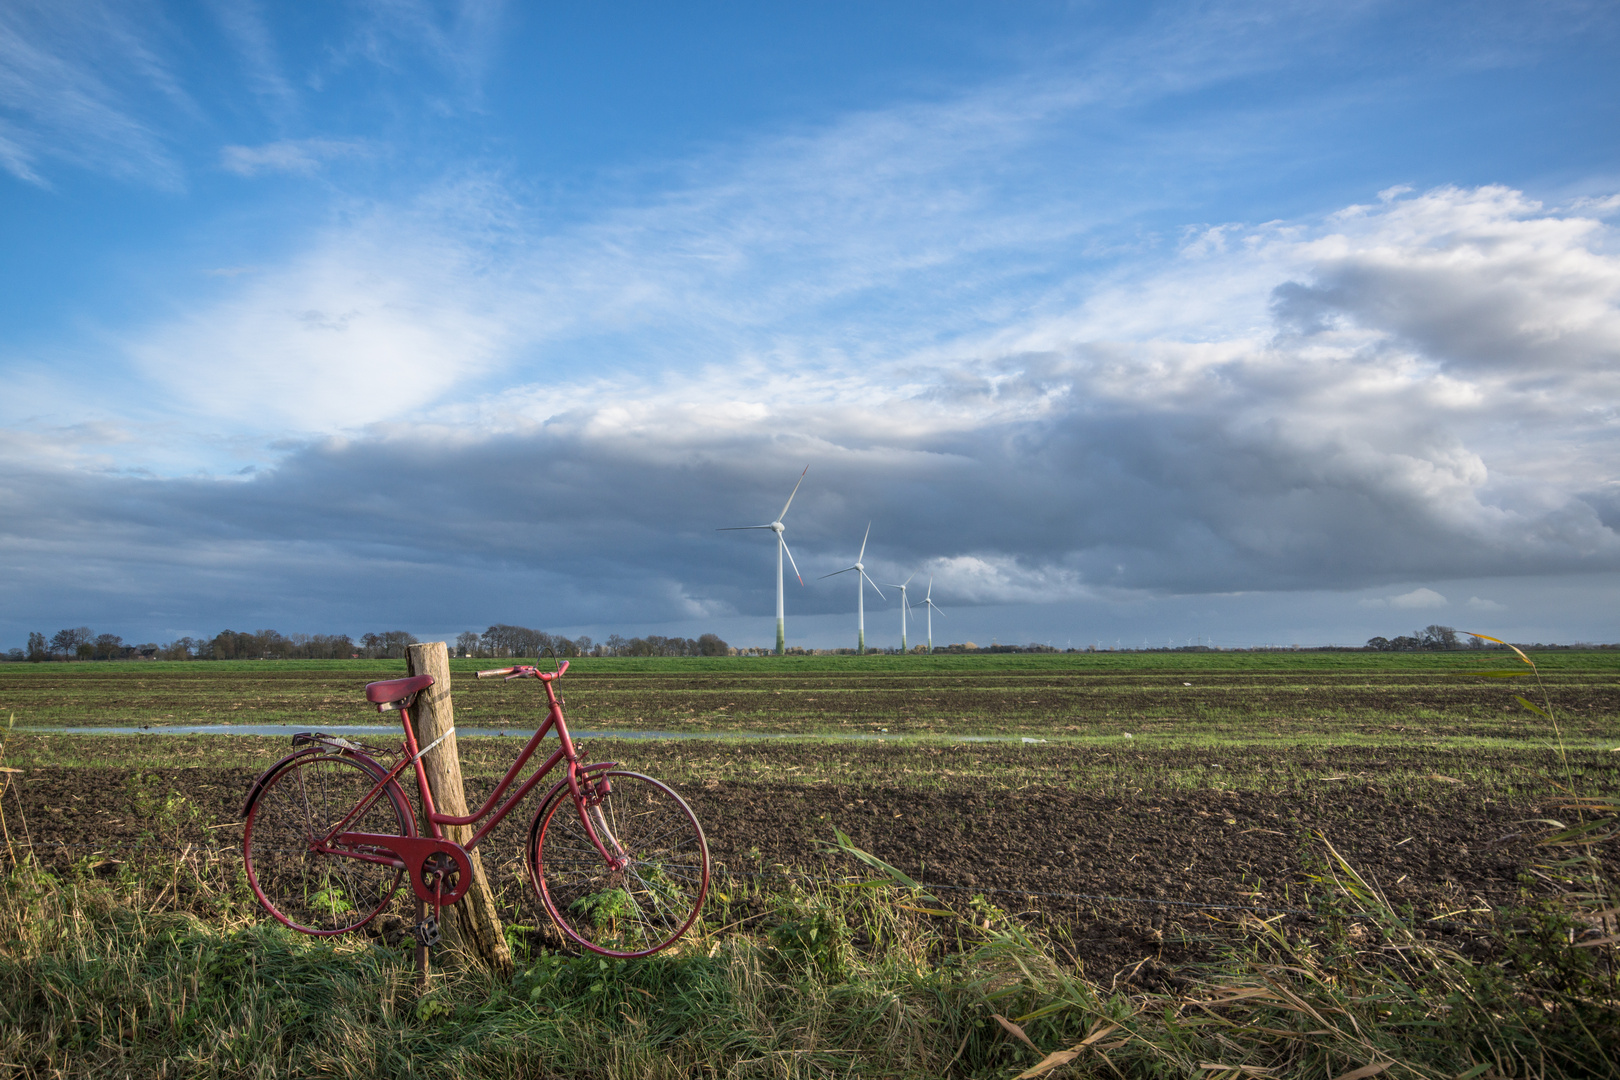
x: 540, y: 809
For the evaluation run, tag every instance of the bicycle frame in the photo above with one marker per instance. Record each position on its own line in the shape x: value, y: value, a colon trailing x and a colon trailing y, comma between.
x: 411, y: 852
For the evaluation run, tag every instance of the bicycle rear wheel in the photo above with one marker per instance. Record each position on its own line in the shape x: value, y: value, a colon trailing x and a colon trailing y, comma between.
x: 652, y: 890
x: 312, y: 891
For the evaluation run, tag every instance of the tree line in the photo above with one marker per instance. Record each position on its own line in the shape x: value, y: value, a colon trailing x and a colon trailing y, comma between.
x: 500, y: 640
x: 1432, y: 636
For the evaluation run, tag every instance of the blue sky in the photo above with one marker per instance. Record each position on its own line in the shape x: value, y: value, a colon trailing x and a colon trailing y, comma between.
x: 1249, y: 323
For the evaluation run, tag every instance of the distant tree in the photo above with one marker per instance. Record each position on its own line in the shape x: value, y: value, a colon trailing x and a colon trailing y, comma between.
x: 466, y: 643
x: 398, y: 640
x: 1435, y: 636
x: 1379, y: 644
x: 37, y: 648
x: 711, y: 645
x: 108, y: 647
x: 67, y: 642
x: 179, y: 649
x: 233, y: 645
x: 658, y: 645
x: 505, y: 640
x: 583, y: 645
x: 331, y: 647
x: 493, y: 642
x: 271, y: 644
x: 1405, y: 644
x: 615, y: 644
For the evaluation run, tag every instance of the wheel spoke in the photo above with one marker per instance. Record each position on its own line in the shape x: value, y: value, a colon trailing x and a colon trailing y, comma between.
x: 320, y: 892
x: 648, y: 904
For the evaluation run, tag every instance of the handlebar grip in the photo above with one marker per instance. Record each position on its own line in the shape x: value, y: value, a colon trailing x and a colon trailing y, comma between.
x: 561, y: 670
x: 492, y: 672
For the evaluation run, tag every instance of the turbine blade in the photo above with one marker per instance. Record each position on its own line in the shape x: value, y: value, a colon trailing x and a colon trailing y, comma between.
x: 862, y: 555
x: 790, y: 556
x: 908, y: 580
x: 740, y: 528
x: 874, y: 584
x: 835, y: 573
x: 792, y: 493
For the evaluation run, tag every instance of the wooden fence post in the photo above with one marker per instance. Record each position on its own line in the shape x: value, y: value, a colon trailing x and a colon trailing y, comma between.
x: 471, y: 924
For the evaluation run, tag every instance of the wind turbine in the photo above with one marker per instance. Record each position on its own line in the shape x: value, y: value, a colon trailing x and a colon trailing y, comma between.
x: 781, y: 546
x: 860, y: 591
x: 928, y: 602
x: 905, y: 606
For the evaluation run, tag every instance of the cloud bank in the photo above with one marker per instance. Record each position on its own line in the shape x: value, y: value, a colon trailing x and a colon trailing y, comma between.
x: 1419, y: 388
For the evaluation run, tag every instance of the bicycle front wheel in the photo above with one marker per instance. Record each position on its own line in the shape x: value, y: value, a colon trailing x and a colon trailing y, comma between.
x: 649, y: 890
x: 314, y: 891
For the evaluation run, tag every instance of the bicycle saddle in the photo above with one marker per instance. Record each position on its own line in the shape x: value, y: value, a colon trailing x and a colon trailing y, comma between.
x: 391, y: 690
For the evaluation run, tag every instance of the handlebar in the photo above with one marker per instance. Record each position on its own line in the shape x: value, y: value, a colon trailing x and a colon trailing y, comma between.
x: 525, y: 671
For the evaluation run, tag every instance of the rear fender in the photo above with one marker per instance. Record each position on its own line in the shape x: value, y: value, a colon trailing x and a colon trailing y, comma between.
x: 315, y: 744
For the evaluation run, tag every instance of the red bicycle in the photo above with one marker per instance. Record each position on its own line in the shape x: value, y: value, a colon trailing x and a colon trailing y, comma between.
x: 617, y: 859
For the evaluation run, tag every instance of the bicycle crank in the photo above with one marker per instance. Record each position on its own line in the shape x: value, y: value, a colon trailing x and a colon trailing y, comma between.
x: 440, y: 870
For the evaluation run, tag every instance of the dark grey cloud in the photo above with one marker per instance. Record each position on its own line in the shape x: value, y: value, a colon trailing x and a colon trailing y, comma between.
x: 554, y: 528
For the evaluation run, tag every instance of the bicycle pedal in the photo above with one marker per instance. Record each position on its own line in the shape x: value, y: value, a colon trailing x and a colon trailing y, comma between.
x: 427, y: 932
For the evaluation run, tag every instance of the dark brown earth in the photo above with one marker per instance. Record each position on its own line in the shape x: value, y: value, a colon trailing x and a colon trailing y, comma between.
x: 1115, y: 877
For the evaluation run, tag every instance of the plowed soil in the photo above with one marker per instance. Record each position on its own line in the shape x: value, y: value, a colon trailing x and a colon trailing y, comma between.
x: 1116, y: 876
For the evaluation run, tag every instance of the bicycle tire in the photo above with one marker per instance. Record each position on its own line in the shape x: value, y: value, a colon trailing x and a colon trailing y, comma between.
x: 656, y: 893
x: 314, y: 892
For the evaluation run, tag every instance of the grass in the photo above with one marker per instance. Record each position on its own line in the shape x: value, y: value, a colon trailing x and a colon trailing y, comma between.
x: 128, y: 976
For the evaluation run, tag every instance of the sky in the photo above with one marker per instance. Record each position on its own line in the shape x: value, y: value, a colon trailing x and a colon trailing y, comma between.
x: 1122, y: 324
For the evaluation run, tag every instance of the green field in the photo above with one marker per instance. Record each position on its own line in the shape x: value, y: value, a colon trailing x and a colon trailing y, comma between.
x: 1183, y: 698
x: 130, y: 945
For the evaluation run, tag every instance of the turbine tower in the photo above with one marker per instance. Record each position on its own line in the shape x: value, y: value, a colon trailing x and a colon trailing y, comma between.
x: 861, y: 581
x: 928, y: 602
x: 905, y: 606
x: 781, y: 547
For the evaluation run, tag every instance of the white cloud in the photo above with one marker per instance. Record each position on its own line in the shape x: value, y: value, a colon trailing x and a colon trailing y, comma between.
x: 79, y: 78
x: 243, y: 22
x: 1418, y: 599
x: 1000, y: 579
x: 1476, y: 603
x: 302, y: 156
x: 370, y: 323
